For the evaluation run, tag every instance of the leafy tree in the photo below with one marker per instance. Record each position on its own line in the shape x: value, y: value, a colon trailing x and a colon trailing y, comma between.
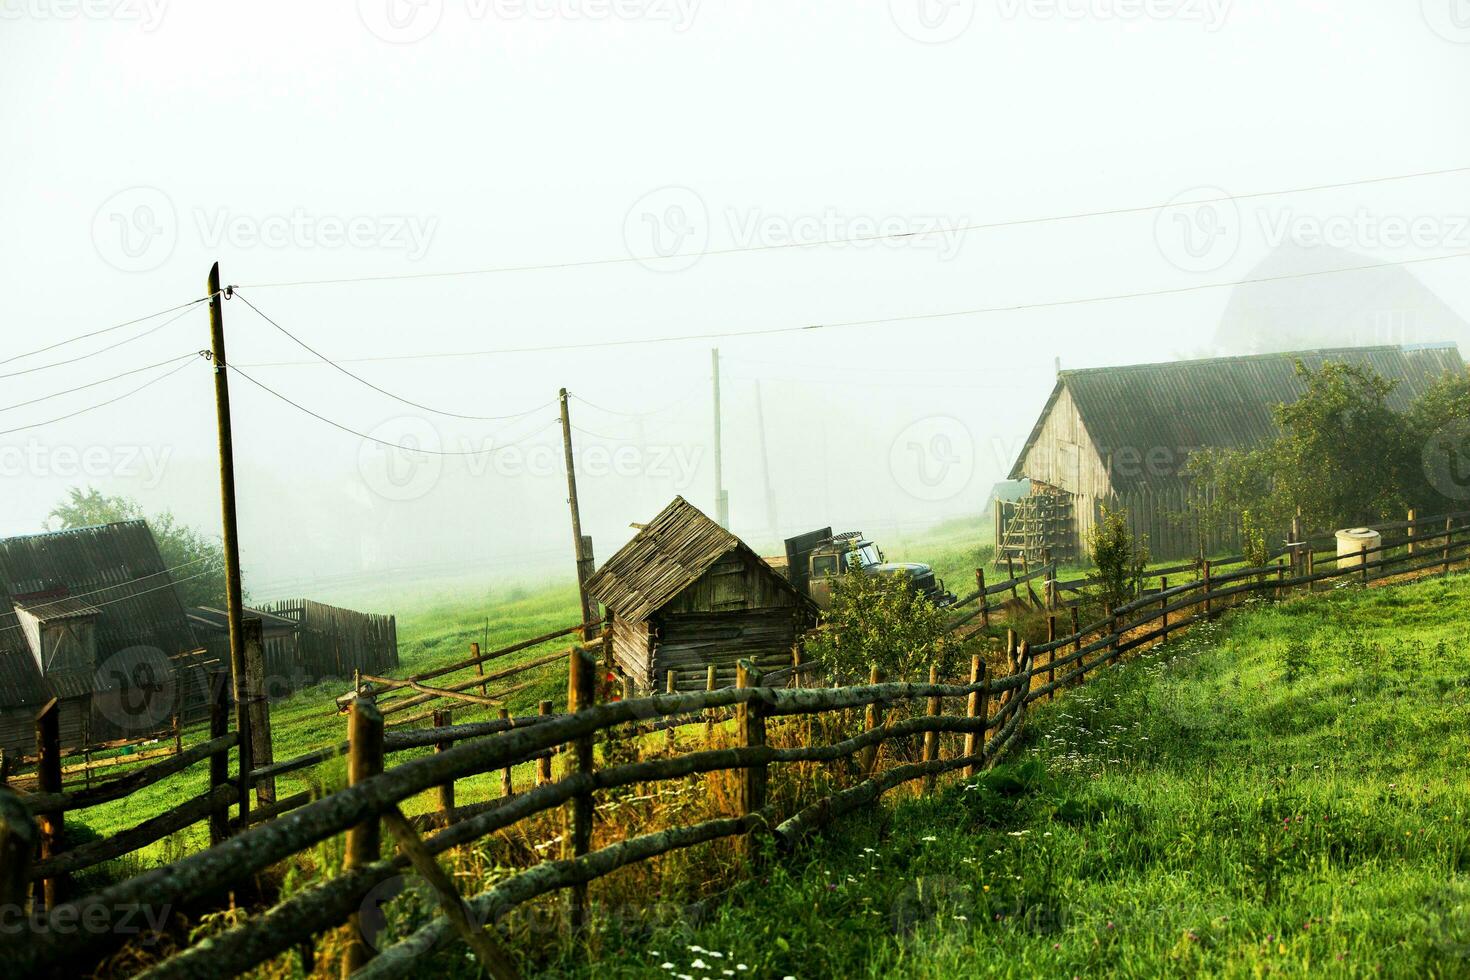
x: 883, y: 620
x: 1339, y: 457
x: 1118, y: 558
x: 1437, y: 460
x: 200, y: 579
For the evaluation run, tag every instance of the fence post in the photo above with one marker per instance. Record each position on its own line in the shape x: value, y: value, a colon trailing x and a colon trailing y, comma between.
x: 1164, y: 609
x: 18, y: 838
x: 983, y: 600
x: 1206, y: 580
x: 48, y: 780
x: 364, y: 841
x: 1011, y: 574
x: 1311, y: 567
x: 1409, y: 531
x: 1449, y: 531
x: 977, y: 707
x: 480, y: 669
x: 1280, y: 577
x: 577, y: 835
x: 931, y: 739
x: 1051, y: 656
x: 1077, y: 648
x: 871, y: 719
x: 671, y: 686
x: 507, y: 785
x: 543, y: 764
x: 796, y: 665
x: 258, y: 705
x: 1363, y: 560
x: 709, y: 713
x: 219, y: 762
x: 750, y: 728
x: 443, y: 719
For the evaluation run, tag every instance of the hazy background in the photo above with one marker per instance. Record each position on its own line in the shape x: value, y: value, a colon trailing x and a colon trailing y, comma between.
x: 143, y: 141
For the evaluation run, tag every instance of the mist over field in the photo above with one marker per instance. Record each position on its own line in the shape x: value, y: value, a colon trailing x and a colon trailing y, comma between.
x: 394, y: 154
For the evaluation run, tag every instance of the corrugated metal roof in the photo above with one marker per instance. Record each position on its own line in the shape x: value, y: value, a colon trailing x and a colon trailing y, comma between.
x: 114, y: 567
x: 666, y: 556
x: 1223, y: 402
x: 53, y: 610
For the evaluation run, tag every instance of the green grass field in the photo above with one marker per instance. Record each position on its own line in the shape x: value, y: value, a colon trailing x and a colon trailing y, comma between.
x: 1282, y: 794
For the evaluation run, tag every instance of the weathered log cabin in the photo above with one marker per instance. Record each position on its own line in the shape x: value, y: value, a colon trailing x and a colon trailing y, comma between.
x: 686, y: 594
x: 1121, y: 437
x: 89, y: 617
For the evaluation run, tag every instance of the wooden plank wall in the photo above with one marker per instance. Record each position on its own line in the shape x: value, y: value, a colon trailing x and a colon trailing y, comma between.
x: 333, y: 642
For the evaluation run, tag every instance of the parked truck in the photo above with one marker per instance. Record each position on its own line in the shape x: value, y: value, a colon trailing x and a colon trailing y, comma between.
x: 816, y: 560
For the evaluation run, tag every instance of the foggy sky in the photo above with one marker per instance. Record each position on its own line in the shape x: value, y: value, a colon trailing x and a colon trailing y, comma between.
x: 144, y: 140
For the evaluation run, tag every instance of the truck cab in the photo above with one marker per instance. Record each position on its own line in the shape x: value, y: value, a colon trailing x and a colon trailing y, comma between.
x: 815, y: 562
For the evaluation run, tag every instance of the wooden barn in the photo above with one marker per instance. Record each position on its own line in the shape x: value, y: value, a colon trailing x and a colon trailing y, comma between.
x: 1122, y: 437
x: 685, y: 593
x: 89, y: 617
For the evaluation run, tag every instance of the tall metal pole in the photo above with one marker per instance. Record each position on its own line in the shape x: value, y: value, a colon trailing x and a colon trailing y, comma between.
x: 566, y: 439
x: 230, y: 536
x: 760, y: 421
x: 722, y: 504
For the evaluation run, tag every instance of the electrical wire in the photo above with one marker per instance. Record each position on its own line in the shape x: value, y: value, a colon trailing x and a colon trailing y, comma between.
x: 102, y: 350
x: 383, y: 391
x: 908, y: 318
x: 861, y: 239
x: 383, y: 442
x: 92, y: 408
x: 641, y: 415
x: 93, y: 384
x: 171, y: 583
x: 104, y: 330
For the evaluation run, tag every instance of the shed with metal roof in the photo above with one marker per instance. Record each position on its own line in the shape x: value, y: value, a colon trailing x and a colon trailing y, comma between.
x: 1124, y: 435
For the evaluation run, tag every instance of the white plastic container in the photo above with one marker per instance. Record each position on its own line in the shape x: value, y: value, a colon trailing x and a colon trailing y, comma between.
x: 1352, y: 542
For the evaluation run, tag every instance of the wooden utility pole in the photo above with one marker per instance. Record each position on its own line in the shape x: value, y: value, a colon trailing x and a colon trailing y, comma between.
x: 722, y: 502
x: 230, y: 536
x: 577, y: 541
x: 760, y: 421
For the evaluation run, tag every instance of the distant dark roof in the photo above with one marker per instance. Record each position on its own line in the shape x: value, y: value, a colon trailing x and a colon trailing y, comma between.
x: 218, y: 620
x: 664, y: 558
x: 54, y: 610
x: 115, y: 568
x: 1221, y: 402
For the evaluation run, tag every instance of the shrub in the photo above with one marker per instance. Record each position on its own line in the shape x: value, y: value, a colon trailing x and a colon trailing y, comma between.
x: 882, y: 620
x: 1117, y: 556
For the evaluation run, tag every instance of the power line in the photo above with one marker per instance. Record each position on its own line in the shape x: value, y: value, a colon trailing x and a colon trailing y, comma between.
x: 383, y: 442
x: 906, y: 318
x: 92, y: 408
x: 93, y: 384
x: 859, y: 239
x: 641, y: 415
x: 383, y: 391
x: 102, y: 350
x: 104, y: 330
x: 171, y: 583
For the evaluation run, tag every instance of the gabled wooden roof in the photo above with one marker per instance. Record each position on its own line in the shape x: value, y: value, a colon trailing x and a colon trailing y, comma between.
x: 664, y: 558
x: 1221, y: 402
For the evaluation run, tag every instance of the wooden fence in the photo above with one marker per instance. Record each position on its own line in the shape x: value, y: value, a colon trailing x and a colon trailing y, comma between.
x: 981, y: 716
x: 335, y: 642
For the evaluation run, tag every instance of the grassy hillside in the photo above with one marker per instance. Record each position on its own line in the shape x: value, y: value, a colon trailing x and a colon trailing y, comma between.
x: 1280, y: 794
